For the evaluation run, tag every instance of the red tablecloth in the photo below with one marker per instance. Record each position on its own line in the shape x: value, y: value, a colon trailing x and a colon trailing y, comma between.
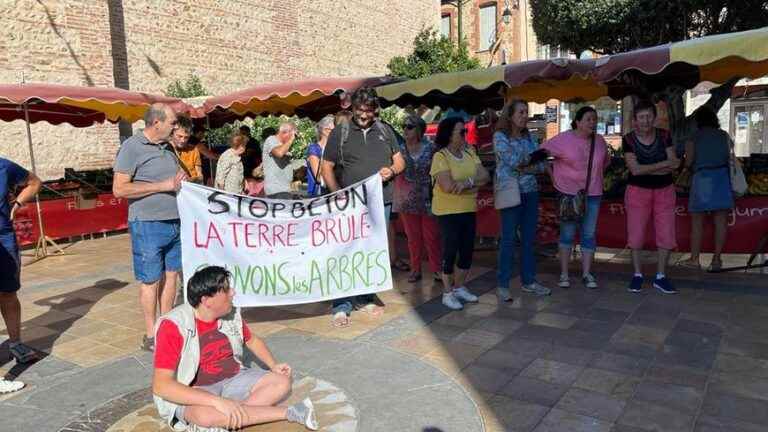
x: 62, y: 218
x: 747, y: 223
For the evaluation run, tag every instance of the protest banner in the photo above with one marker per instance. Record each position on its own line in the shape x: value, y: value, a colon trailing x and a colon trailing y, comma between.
x: 283, y: 252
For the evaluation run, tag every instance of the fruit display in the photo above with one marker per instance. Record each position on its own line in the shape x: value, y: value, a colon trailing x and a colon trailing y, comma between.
x: 756, y: 169
x: 615, y: 178
x: 758, y: 184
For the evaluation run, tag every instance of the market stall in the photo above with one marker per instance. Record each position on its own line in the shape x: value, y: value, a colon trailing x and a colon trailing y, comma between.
x: 74, y: 205
x: 312, y: 98
x: 715, y: 59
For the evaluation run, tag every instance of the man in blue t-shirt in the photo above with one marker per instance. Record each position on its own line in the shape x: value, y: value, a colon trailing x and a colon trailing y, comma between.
x: 13, y: 178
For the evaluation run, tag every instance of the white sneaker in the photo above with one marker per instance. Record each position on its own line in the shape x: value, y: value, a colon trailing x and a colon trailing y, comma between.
x: 564, y: 282
x: 589, y: 281
x: 451, y: 302
x: 464, y: 295
x: 7, y: 386
x: 504, y: 294
x: 538, y: 289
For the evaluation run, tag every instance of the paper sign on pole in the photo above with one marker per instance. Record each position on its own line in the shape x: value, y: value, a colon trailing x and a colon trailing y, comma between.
x: 283, y: 252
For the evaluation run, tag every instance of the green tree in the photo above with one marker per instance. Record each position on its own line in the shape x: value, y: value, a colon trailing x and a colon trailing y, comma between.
x: 432, y: 53
x: 188, y: 88
x: 613, y: 26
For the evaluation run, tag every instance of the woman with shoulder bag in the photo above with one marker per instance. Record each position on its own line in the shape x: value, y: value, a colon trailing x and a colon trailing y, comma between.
x: 517, y: 198
x: 411, y: 199
x: 580, y: 157
x: 456, y: 172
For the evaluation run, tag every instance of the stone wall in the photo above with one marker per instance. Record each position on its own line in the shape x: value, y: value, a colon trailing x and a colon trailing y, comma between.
x: 146, y: 44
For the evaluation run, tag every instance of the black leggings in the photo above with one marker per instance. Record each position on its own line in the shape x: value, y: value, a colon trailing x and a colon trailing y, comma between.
x: 458, y: 234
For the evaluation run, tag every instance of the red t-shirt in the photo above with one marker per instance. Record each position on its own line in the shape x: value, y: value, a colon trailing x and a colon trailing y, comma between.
x: 217, y: 362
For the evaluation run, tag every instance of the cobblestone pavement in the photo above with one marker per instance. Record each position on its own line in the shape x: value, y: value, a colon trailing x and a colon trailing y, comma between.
x: 604, y: 360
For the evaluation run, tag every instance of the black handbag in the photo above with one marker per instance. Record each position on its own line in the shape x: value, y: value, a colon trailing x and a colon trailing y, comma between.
x: 572, y: 207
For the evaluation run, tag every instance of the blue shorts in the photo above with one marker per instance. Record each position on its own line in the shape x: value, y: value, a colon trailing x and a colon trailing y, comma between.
x: 156, y: 249
x: 10, y: 263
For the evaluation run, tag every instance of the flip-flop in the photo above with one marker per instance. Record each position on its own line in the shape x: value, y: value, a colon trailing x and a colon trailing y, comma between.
x: 373, y: 310
x: 341, y: 319
x: 414, y: 277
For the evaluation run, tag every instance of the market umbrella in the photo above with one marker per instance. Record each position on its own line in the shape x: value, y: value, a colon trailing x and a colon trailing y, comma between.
x: 77, y: 106
x: 312, y: 98
x: 715, y: 59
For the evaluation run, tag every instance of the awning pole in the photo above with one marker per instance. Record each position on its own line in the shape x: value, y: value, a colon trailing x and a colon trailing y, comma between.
x: 41, y: 249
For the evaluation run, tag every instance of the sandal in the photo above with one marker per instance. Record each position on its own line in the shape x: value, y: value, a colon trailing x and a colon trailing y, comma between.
x: 341, y: 319
x: 373, y: 310
x: 689, y: 264
x: 414, y: 277
x: 401, y: 265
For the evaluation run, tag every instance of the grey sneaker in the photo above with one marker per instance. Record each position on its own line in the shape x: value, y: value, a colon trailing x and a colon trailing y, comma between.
x: 303, y: 413
x: 589, y: 281
x: 22, y: 353
x: 564, y: 281
x: 195, y: 428
x: 464, y: 295
x: 537, y: 288
x: 451, y: 302
x: 504, y: 294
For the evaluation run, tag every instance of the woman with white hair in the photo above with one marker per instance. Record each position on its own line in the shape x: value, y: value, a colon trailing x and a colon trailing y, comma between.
x: 315, y: 156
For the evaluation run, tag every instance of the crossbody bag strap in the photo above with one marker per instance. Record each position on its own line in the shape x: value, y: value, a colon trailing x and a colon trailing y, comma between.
x: 316, y: 175
x: 589, y: 164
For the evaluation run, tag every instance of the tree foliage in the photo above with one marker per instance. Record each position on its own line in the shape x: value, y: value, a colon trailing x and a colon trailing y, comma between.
x: 432, y: 53
x: 192, y: 86
x: 612, y: 26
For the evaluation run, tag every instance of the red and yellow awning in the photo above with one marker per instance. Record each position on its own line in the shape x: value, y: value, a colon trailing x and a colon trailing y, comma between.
x: 713, y: 58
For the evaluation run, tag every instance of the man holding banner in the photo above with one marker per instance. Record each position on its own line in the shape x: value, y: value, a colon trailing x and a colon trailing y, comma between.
x: 355, y: 151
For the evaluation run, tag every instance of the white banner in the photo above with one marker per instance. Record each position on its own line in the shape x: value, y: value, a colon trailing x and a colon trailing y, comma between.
x: 283, y: 252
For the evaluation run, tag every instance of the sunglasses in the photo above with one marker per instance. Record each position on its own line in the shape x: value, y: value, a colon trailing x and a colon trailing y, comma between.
x: 410, y: 126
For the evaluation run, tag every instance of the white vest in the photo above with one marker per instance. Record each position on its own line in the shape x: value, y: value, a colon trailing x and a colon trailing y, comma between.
x: 183, y: 316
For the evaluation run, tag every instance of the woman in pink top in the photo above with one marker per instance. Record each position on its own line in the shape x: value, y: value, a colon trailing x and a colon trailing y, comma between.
x: 570, y: 151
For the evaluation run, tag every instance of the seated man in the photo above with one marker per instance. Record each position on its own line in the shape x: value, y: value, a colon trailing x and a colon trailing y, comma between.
x: 200, y: 382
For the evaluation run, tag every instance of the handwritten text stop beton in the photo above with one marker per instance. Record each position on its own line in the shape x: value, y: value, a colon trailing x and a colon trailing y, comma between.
x: 331, y: 226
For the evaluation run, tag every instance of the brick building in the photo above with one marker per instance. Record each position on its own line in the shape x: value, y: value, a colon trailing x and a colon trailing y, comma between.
x: 144, y: 45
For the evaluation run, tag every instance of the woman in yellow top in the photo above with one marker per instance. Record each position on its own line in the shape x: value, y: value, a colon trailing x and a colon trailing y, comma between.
x: 457, y: 174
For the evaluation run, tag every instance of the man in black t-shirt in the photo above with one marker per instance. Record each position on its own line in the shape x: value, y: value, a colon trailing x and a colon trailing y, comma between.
x: 355, y: 151
x: 651, y: 159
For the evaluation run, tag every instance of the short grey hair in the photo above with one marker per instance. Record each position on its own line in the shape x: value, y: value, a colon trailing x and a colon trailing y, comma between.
x: 155, y: 112
x: 327, y: 121
x: 291, y: 125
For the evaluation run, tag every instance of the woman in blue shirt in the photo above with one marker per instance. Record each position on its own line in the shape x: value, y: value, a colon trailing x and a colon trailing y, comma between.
x: 513, y: 145
x: 315, y: 155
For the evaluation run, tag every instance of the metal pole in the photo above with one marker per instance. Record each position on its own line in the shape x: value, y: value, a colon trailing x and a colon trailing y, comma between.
x: 211, y: 166
x: 459, y: 4
x: 41, y: 242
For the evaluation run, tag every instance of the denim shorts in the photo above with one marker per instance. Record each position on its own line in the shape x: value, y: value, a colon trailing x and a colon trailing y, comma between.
x: 587, y: 226
x: 10, y: 264
x: 156, y: 249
